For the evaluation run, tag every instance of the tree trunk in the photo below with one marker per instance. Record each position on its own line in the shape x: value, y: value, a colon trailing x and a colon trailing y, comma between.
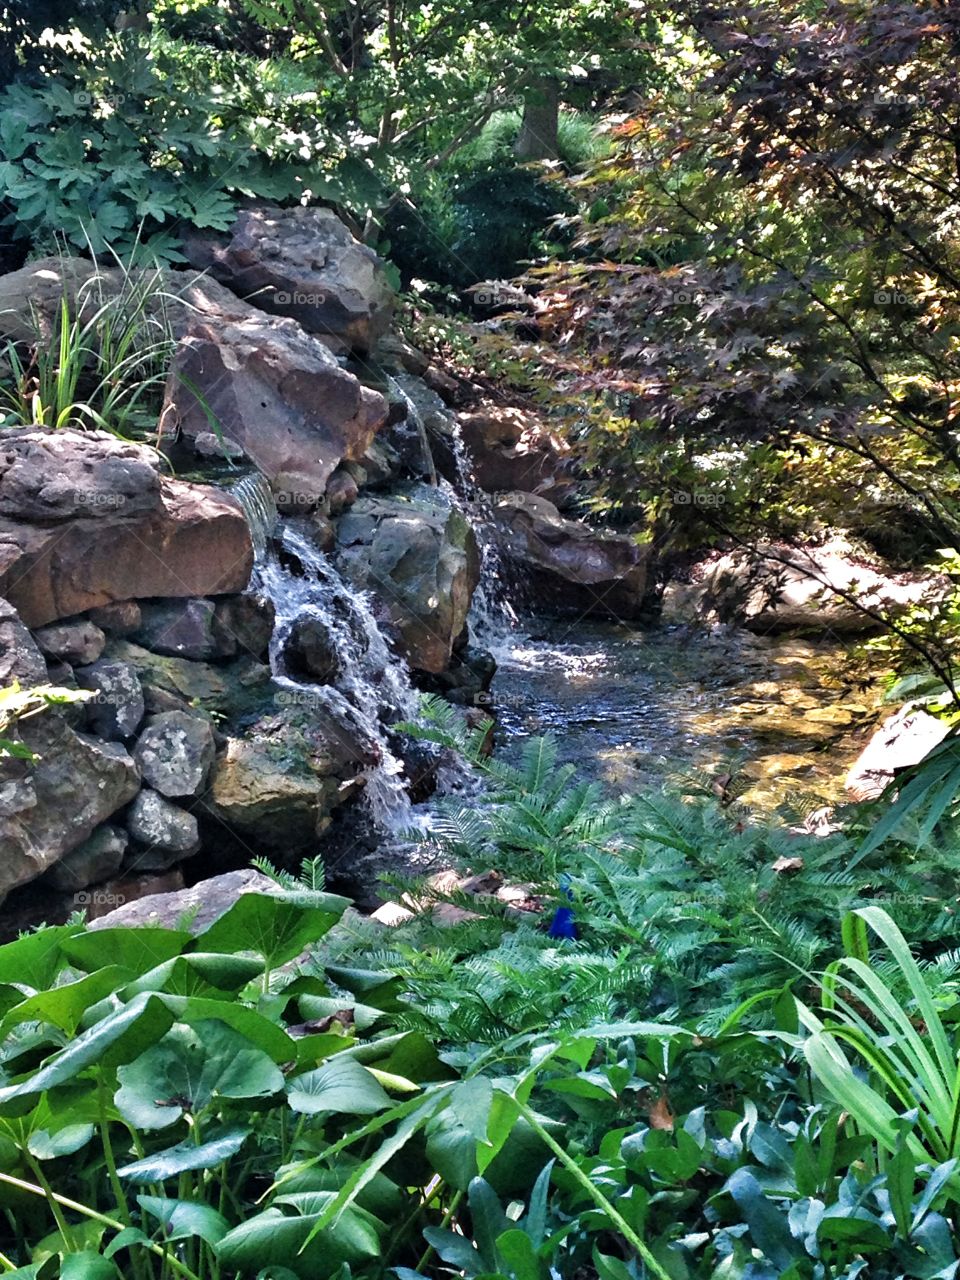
x: 537, y: 139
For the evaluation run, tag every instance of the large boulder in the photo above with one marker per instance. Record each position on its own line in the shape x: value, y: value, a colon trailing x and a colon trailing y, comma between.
x: 418, y: 555
x: 569, y: 564
x: 776, y: 588
x: 512, y: 449
x: 278, y: 785
x: 904, y: 739
x: 194, y: 909
x: 86, y: 519
x: 50, y: 806
x: 275, y: 390
x: 302, y: 263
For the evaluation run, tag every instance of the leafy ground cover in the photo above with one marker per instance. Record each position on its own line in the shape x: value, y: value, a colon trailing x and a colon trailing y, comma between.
x: 716, y: 1050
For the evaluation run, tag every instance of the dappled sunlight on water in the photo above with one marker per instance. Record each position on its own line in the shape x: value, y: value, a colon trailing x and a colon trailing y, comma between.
x: 784, y: 718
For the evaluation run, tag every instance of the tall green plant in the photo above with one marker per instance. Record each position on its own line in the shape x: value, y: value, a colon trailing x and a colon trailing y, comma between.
x: 102, y: 363
x: 883, y: 1049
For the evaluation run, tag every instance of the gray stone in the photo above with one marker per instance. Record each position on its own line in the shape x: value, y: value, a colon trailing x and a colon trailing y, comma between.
x: 51, y: 806
x: 302, y: 263
x: 243, y: 625
x: 166, y: 832
x: 418, y: 556
x: 209, y: 445
x: 175, y: 753
x: 20, y: 659
x: 311, y: 650
x: 200, y: 905
x: 117, y: 707
x: 178, y: 628
x: 96, y: 859
x: 778, y: 588
x: 76, y: 641
x: 278, y: 785
x: 904, y: 739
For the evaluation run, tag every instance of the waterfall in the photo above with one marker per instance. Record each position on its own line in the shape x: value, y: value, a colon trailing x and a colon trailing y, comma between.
x: 256, y: 498
x: 493, y: 617
x: 416, y: 424
x: 372, y: 688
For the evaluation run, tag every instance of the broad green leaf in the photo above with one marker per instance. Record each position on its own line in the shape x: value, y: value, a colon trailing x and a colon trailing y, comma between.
x: 340, y: 1085
x: 470, y: 1102
x: 277, y: 926
x: 35, y: 959
x: 64, y: 1006
x: 487, y: 1220
x: 768, y: 1226
x: 374, y: 988
x: 136, y: 950
x: 454, y: 1249
x: 189, y: 1070
x: 253, y: 1026
x: 117, y: 1039
x: 183, y: 1219
x: 185, y: 1156
x: 87, y: 1266
x: 516, y: 1249
x: 44, y: 1145
x: 198, y: 973
x: 273, y: 1238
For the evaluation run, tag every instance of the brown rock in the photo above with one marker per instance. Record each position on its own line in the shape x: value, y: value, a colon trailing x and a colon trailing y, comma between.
x: 120, y: 619
x: 63, y: 551
x: 513, y: 449
x: 278, y: 392
x: 302, y: 263
x: 570, y: 564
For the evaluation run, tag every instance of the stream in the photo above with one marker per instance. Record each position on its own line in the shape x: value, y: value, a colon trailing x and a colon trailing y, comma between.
x: 773, y: 723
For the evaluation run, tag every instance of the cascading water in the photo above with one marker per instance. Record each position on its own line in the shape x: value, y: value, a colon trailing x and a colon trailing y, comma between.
x: 492, y: 615
x: 373, y: 689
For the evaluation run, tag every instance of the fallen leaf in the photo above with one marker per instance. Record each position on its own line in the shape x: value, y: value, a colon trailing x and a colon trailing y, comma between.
x: 661, y: 1117
x: 786, y: 866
